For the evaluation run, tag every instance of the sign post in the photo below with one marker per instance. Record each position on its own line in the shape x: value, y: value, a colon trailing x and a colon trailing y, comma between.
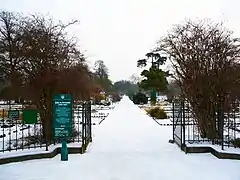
x: 62, y: 121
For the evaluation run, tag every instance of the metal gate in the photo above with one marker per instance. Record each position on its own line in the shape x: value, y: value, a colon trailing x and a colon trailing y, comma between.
x: 179, y: 123
x: 86, y: 125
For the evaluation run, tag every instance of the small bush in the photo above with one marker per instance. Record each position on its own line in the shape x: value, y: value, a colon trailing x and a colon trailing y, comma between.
x: 116, y: 97
x: 236, y: 142
x: 157, y: 113
x: 140, y: 98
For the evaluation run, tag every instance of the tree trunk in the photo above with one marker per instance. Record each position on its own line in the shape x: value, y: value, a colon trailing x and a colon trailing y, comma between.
x: 46, y: 114
x: 205, y: 117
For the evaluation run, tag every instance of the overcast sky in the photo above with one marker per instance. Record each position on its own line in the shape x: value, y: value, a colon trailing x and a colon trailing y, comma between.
x: 122, y: 31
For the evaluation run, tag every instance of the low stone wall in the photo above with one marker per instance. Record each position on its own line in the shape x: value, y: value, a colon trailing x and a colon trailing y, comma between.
x: 220, y: 155
x: 50, y: 154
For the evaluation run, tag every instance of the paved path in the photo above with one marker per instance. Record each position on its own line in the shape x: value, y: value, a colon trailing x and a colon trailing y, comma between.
x: 128, y: 145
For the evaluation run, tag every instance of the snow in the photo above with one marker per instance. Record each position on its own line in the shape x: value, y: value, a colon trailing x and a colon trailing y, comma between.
x: 128, y: 145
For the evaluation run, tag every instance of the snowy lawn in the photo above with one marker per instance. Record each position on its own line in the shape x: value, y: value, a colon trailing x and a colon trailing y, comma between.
x: 127, y: 146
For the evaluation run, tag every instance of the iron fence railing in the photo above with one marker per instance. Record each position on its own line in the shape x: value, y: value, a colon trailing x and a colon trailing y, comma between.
x: 186, y: 129
x: 15, y: 134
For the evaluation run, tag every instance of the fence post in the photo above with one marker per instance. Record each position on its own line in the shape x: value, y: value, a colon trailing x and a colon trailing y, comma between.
x: 173, y: 113
x: 83, y: 109
x: 78, y: 117
x: 222, y: 123
x: 46, y: 140
x: 90, y: 120
x: 183, y: 122
x: 85, y: 124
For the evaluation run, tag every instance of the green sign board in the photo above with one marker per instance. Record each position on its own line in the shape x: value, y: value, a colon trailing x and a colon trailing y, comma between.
x: 13, y: 114
x: 62, y: 115
x: 30, y: 116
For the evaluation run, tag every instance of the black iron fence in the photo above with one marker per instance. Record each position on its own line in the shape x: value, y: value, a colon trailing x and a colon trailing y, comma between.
x: 21, y: 127
x: 86, y: 124
x: 14, y: 132
x: 186, y: 129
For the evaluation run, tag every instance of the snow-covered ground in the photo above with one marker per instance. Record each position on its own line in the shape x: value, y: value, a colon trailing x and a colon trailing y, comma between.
x: 128, y: 145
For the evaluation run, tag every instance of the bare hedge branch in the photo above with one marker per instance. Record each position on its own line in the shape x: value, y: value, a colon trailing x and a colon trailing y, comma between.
x: 205, y: 57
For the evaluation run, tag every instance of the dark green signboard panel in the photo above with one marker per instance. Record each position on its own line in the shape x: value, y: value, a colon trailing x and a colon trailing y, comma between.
x: 13, y: 114
x: 30, y: 116
x: 62, y: 115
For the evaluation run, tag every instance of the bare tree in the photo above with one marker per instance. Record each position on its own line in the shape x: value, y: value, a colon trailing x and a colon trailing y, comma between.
x: 101, y: 76
x: 135, y: 79
x: 10, y: 44
x: 101, y: 70
x: 205, y: 57
x: 53, y: 64
x: 39, y: 59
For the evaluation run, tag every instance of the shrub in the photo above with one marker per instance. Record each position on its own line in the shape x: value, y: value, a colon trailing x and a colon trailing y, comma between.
x: 157, y: 113
x: 236, y: 142
x: 140, y: 98
x: 116, y: 97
